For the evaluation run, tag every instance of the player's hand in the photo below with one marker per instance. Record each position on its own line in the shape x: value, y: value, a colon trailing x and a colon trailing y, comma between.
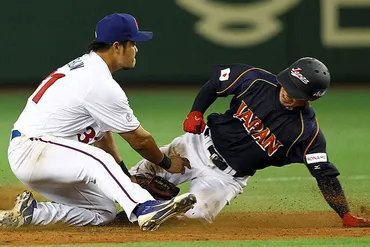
x: 352, y: 221
x: 194, y: 123
x: 178, y: 164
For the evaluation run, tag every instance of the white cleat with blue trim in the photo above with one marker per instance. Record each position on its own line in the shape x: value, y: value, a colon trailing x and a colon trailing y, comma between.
x: 151, y: 214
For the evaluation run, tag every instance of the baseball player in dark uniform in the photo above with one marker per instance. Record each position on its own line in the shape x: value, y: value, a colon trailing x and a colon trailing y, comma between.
x: 270, y: 123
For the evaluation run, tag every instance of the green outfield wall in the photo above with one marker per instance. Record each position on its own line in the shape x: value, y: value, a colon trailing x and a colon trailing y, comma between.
x: 189, y: 36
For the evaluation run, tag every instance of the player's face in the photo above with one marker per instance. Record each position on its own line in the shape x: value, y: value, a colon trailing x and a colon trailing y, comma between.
x: 126, y: 56
x: 288, y: 101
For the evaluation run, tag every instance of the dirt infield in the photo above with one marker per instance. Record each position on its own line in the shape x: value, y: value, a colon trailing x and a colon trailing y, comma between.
x: 228, y: 226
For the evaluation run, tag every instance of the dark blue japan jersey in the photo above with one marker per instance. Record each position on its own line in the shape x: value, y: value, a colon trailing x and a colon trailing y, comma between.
x: 258, y: 131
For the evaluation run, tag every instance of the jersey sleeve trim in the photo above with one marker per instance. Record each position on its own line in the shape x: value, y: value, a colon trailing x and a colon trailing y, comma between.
x: 317, y: 132
x: 246, y: 90
x: 300, y: 134
x: 239, y: 78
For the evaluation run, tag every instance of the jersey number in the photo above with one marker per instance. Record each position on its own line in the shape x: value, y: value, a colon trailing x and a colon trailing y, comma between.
x: 87, y: 135
x: 53, y: 78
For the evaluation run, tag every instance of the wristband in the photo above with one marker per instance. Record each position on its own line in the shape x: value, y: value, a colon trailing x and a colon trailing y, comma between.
x: 165, y: 163
x: 124, y: 168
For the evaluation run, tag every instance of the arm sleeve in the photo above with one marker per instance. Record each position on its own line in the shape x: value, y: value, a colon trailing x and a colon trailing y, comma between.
x: 316, y: 160
x: 108, y: 105
x: 225, y: 80
x: 206, y: 96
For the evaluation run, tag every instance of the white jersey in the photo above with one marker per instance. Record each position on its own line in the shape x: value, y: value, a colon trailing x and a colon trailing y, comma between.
x: 73, y: 107
x: 79, y: 101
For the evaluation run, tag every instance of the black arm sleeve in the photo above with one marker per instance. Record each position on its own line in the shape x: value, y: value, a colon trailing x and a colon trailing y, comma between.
x: 333, y: 193
x: 206, y: 96
x: 326, y: 174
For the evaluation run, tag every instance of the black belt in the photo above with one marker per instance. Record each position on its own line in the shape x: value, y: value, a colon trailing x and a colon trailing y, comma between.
x: 15, y: 133
x: 217, y: 160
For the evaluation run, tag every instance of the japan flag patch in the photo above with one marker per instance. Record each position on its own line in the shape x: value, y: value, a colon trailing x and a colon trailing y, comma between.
x: 224, y: 76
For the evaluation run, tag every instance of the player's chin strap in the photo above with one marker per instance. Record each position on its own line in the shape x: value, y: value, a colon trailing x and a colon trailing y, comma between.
x: 215, y: 157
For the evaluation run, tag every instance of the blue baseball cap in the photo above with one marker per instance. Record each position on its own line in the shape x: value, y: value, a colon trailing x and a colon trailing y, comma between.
x: 120, y: 27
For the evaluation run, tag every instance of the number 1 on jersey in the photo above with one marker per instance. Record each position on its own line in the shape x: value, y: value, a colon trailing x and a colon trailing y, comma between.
x: 53, y: 78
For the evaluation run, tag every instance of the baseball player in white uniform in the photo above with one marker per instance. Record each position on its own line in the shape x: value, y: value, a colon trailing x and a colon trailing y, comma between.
x: 77, y: 105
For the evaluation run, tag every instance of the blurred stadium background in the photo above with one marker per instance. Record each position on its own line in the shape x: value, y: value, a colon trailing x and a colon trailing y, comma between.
x: 189, y: 37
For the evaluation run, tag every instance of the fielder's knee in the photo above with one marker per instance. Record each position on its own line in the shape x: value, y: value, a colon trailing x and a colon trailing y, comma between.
x: 104, y: 217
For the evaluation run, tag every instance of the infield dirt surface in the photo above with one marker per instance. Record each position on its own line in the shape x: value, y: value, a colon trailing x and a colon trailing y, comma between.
x: 228, y: 226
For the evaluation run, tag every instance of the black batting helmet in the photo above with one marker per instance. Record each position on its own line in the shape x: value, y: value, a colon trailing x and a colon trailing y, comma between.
x: 307, y: 78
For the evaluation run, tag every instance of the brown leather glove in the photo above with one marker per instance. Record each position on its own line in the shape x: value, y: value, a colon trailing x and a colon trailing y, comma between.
x: 158, y: 187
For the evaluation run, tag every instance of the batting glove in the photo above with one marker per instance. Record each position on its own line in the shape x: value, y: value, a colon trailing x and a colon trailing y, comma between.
x: 194, y: 123
x: 352, y: 221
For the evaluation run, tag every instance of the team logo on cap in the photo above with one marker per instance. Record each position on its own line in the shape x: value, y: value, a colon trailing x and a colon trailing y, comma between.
x: 319, y: 92
x: 297, y: 74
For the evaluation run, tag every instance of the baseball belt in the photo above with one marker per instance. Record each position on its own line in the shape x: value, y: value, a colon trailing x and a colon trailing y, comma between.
x: 14, y: 134
x: 216, y: 158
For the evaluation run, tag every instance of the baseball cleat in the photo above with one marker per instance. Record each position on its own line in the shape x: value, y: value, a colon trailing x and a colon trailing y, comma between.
x: 22, y: 212
x: 151, y: 214
x: 352, y: 221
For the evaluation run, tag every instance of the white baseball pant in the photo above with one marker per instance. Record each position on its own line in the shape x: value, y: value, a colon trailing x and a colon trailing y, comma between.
x: 212, y: 187
x: 82, y: 181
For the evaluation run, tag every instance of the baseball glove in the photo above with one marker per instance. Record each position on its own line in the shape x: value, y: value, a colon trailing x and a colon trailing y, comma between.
x: 158, y: 187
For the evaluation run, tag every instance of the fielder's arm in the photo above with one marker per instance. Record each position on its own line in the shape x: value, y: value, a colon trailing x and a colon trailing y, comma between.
x: 108, y: 144
x: 143, y: 143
